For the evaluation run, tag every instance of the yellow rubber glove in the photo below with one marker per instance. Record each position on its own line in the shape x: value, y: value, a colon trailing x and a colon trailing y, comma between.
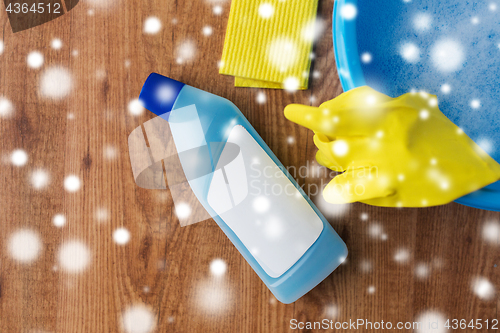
x: 393, y: 152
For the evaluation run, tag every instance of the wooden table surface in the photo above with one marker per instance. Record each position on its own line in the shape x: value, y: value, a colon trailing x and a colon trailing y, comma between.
x: 403, y: 264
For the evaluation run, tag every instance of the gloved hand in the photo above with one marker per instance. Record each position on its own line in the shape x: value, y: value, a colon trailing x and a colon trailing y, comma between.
x: 393, y: 152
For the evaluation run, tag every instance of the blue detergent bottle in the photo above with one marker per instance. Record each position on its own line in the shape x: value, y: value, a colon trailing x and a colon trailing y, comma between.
x: 246, y: 190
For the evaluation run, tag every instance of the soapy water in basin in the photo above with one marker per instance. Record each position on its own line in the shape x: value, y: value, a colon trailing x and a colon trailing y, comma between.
x: 450, y: 49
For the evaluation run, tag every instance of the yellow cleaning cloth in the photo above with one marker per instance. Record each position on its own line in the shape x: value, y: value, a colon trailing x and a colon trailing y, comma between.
x: 268, y: 43
x: 393, y: 152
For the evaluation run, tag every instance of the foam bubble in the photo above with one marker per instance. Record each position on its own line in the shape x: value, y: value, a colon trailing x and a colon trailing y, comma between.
x: 121, y: 236
x: 101, y: 214
x: 491, y: 232
x: 100, y: 74
x: 56, y: 44
x: 136, y: 107
x: 291, y: 84
x: 261, y: 204
x: 483, y: 289
x: 330, y: 210
x: 410, y: 52
x: 261, y: 98
x: 365, y: 266
x: 165, y: 94
x: 138, y: 319
x: 39, y: 179
x: 282, y: 53
x: 475, y: 104
x: 349, y: 11
x: 99, y: 3
x: 217, y: 10
x: 431, y: 322
x: 424, y: 114
x: 207, y: 30
x: 375, y: 230
x: 447, y: 55
x: 152, y: 25
x: 266, y: 10
x: 213, y: 297
x: 344, y: 73
x: 25, y: 246
x: 218, y: 267
x: 402, y: 256
x: 422, y: 22
x: 422, y: 271
x: 340, y: 148
x: 182, y: 210
x: 56, y: 83
x: 290, y: 140
x: 72, y: 183
x: 185, y: 52
x: 371, y: 100
x: 6, y: 107
x: 331, y: 311
x: 366, y: 57
x: 446, y: 88
x: 19, y: 157
x: 59, y: 220
x: 74, y: 257
x: 35, y: 59
x: 313, y: 30
x: 110, y: 152
x: 486, y: 145
x: 273, y: 228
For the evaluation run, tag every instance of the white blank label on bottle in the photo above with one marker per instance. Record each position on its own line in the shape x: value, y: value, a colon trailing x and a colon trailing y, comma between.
x: 262, y: 207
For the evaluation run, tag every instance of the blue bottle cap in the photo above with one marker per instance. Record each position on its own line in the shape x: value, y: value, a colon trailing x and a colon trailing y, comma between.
x: 159, y: 93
